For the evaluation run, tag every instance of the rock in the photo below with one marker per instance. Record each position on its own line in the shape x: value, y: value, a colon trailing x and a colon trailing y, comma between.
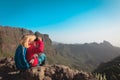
x: 47, y: 72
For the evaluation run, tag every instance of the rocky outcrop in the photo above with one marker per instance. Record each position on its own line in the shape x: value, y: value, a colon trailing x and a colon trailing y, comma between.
x: 47, y: 72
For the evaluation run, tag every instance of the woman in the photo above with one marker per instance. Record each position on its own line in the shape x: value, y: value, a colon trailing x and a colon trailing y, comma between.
x: 20, y: 54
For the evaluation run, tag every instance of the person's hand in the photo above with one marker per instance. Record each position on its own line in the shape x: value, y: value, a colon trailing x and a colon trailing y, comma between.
x: 35, y: 55
x: 31, y: 61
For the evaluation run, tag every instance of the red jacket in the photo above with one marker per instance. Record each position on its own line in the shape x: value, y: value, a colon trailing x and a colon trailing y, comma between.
x: 34, y: 50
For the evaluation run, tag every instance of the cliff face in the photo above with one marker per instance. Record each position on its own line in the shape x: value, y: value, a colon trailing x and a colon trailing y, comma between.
x: 9, y: 40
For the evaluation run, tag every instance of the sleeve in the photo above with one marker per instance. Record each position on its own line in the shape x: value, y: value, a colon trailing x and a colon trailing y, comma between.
x: 39, y: 47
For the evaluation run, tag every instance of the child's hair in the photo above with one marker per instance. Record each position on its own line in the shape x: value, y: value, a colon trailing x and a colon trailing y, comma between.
x: 26, y: 39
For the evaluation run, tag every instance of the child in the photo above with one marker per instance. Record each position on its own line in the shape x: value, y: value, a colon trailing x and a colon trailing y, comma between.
x: 35, y: 51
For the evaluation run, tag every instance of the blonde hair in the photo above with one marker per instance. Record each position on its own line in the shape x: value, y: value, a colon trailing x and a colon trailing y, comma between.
x: 26, y: 39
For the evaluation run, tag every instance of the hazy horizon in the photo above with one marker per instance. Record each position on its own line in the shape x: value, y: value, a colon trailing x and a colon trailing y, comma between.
x: 66, y: 21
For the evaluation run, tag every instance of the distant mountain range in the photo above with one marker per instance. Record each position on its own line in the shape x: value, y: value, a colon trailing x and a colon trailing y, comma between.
x: 79, y: 56
x: 86, y: 56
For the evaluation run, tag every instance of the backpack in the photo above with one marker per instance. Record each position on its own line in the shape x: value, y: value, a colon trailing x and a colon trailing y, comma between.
x: 20, y: 58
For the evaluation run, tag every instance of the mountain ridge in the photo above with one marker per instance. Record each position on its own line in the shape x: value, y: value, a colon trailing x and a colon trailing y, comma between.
x: 87, y: 54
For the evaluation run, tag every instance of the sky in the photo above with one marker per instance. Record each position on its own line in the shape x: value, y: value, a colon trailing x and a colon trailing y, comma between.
x: 66, y: 21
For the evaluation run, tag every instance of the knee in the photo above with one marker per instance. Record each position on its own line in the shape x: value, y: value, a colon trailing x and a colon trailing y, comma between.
x: 43, y: 55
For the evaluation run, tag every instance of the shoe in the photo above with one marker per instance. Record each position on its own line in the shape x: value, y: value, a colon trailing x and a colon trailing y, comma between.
x: 43, y: 63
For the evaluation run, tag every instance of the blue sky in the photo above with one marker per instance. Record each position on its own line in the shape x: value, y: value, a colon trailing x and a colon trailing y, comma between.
x: 67, y: 21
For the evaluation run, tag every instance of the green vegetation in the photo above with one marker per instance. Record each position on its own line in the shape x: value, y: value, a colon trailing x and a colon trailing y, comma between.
x: 6, y: 55
x: 86, y: 56
x: 57, y: 59
x: 100, y: 77
x: 111, y: 69
x: 68, y: 61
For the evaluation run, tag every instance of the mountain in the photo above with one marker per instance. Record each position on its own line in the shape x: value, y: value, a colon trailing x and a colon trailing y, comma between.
x: 86, y: 56
x: 10, y: 36
x: 111, y: 69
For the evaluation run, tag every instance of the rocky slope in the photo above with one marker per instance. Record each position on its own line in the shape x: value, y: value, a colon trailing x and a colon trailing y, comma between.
x: 8, y: 71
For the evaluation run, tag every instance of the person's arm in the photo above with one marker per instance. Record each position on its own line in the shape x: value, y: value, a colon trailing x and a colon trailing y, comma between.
x: 31, y: 61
